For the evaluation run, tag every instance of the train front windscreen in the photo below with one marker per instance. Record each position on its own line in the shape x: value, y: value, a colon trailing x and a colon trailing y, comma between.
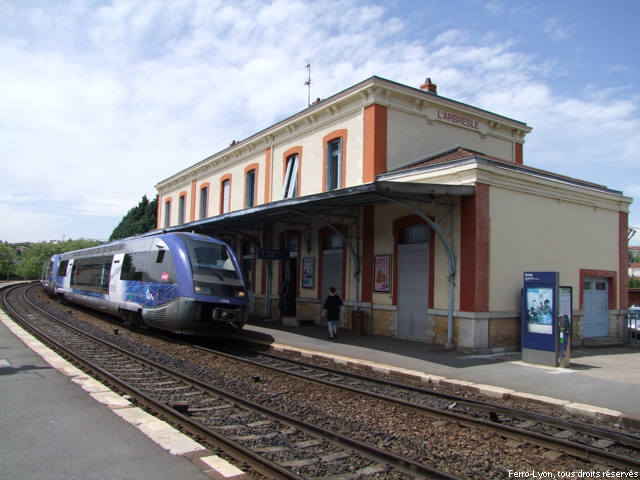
x: 214, y: 272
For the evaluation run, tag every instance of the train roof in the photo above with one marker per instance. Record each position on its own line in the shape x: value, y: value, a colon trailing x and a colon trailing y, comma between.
x: 144, y: 241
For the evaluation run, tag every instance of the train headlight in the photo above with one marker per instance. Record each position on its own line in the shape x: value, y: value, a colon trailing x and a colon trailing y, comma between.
x: 240, y: 294
x: 202, y: 290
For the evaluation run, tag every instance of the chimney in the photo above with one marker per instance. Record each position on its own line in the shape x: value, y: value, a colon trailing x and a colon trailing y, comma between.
x: 429, y: 87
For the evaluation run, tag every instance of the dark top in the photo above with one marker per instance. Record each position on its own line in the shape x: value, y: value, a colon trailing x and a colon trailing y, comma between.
x: 332, y: 305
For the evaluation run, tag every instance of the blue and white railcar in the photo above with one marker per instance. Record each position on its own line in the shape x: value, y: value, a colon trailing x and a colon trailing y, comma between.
x: 48, y: 275
x: 180, y: 282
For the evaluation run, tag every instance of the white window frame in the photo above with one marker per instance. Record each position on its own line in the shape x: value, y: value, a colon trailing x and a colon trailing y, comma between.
x: 226, y: 196
x: 290, y: 184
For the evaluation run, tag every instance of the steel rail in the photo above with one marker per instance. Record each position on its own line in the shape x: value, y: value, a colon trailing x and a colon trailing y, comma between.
x: 575, y: 449
x: 370, y: 451
x: 236, y: 451
x: 626, y: 438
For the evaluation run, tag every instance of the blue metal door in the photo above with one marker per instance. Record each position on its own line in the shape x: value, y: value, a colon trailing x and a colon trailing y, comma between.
x: 596, y: 307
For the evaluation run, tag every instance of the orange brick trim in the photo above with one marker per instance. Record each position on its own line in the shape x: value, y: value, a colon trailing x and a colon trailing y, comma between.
x: 293, y: 151
x: 474, y: 251
x: 375, y: 142
x: 223, y: 179
x: 518, y: 153
x: 398, y: 226
x: 193, y: 200
x: 342, y: 133
x: 255, y: 167
x: 609, y: 275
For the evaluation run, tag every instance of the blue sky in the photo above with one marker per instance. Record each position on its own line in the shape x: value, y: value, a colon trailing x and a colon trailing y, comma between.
x: 99, y: 101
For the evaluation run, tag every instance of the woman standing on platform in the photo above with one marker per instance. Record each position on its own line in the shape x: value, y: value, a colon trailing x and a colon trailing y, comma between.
x: 331, y: 310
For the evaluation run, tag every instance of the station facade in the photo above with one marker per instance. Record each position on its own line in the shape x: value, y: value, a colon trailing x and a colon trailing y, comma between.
x: 419, y: 209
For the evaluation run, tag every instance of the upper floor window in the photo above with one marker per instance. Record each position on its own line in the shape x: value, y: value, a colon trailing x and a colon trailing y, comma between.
x: 204, y: 200
x: 334, y: 164
x: 181, y: 207
x: 334, y: 154
x: 250, y: 189
x: 226, y: 196
x: 290, y: 184
x: 167, y: 213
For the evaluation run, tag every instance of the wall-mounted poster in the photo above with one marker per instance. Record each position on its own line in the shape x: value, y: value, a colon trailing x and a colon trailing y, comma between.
x: 308, y: 272
x: 540, y: 310
x: 382, y: 274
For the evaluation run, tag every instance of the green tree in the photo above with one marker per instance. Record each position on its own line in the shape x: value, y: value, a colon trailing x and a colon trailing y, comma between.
x: 7, y: 260
x: 36, y: 254
x: 140, y: 219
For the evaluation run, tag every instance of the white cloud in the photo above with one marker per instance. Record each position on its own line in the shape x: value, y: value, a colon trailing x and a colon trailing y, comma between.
x: 99, y: 103
x: 555, y: 30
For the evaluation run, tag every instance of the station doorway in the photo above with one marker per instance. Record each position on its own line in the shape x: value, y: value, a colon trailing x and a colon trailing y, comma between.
x: 332, y: 265
x: 596, y: 307
x: 413, y: 283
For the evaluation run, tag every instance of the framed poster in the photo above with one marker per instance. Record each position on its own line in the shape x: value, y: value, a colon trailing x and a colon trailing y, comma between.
x: 539, y: 313
x: 382, y: 274
x: 540, y: 310
x: 308, y: 272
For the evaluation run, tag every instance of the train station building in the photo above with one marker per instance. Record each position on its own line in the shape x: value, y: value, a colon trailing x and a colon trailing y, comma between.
x: 419, y: 209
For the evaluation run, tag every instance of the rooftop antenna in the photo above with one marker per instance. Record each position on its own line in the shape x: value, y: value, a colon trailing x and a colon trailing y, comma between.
x: 308, y: 83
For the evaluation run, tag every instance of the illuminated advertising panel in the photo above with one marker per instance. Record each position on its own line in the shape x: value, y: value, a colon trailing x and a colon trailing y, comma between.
x: 539, y: 310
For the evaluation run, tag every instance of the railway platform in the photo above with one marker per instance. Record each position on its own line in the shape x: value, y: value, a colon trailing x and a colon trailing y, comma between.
x: 600, y: 381
x: 57, y: 423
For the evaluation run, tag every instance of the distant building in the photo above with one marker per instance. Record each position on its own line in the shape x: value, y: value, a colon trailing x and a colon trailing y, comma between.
x: 419, y: 209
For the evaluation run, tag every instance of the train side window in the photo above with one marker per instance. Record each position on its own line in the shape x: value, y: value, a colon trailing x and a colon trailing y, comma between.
x: 62, y: 268
x: 133, y: 265
x: 92, y: 273
x: 160, y: 256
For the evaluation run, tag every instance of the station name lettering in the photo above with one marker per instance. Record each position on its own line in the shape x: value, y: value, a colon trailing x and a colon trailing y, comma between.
x: 459, y: 119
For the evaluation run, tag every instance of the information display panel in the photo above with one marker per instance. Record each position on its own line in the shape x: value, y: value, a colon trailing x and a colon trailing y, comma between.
x: 539, y: 309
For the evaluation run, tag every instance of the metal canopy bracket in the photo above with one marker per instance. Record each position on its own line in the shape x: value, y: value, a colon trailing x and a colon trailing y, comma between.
x: 448, y: 247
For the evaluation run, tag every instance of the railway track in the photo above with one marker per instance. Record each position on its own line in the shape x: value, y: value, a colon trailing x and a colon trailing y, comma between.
x: 597, y: 447
x: 272, y: 443
x: 583, y: 440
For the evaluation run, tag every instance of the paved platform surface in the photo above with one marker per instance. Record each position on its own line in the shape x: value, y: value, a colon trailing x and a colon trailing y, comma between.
x: 604, y: 377
x: 57, y: 423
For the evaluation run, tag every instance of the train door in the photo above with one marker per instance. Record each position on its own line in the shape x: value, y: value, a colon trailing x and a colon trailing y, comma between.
x: 413, y: 283
x: 596, y: 307
x: 67, y: 280
x: 116, y: 293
